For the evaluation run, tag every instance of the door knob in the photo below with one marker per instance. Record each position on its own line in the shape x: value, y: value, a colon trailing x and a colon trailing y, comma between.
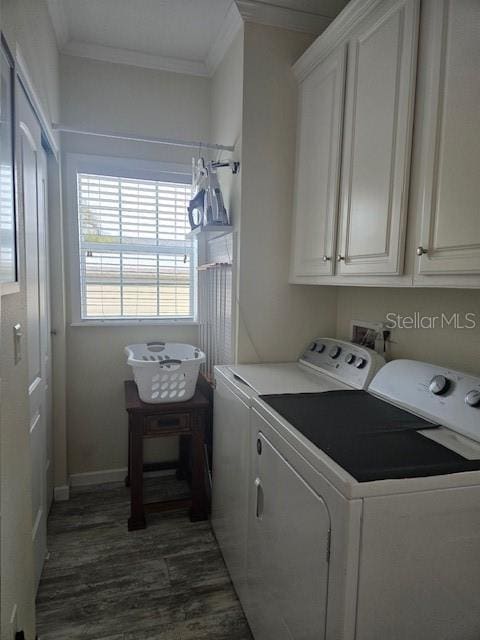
x: 340, y: 258
x: 421, y: 251
x: 326, y: 258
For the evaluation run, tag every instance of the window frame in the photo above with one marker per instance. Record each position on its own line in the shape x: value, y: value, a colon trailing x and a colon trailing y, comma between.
x: 125, y: 168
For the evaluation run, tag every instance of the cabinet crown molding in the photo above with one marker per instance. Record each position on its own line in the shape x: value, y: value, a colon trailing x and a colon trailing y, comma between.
x: 272, y: 15
x: 333, y: 35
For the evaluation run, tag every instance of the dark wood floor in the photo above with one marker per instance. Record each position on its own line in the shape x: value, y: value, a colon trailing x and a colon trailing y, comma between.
x: 167, y: 582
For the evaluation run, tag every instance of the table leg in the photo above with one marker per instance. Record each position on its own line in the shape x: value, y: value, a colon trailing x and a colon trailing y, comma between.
x: 184, y: 458
x: 199, y: 510
x: 127, y: 477
x: 137, y: 512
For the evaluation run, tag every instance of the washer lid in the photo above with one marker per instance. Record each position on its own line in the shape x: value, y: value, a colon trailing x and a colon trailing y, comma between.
x: 286, y: 377
x: 368, y: 437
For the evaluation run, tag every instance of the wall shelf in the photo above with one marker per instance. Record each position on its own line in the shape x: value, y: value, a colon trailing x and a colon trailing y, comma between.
x: 211, y: 231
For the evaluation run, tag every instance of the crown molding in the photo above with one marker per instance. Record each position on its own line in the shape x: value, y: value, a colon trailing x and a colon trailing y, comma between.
x: 239, y: 11
x: 135, y: 58
x: 333, y: 36
x: 273, y: 15
x: 226, y: 34
x: 56, y: 9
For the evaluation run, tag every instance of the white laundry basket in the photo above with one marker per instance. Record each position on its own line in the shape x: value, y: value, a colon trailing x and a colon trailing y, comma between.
x: 165, y: 371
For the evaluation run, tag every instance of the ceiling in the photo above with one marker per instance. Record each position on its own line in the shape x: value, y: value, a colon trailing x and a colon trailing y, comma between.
x: 188, y: 36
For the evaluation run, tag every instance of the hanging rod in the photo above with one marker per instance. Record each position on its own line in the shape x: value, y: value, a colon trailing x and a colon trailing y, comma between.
x: 167, y: 141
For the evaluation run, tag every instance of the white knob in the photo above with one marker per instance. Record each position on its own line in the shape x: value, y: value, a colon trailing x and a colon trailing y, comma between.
x: 360, y: 363
x: 438, y: 385
x: 421, y: 251
x: 334, y: 352
x: 340, y: 258
x: 473, y: 398
x: 326, y: 258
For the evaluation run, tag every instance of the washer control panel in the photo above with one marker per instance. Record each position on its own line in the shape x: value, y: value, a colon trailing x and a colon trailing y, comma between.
x: 348, y: 362
x: 447, y: 397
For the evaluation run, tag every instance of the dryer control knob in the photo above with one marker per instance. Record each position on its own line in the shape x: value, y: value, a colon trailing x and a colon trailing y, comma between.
x: 360, y: 363
x: 320, y: 348
x: 335, y: 351
x: 349, y: 358
x: 473, y: 398
x: 313, y: 346
x: 439, y: 385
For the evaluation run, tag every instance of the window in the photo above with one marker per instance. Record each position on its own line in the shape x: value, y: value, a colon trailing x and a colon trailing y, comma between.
x: 136, y: 262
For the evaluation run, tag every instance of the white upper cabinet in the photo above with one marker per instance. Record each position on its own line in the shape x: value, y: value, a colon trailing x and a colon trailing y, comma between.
x: 381, y: 74
x: 319, y: 133
x: 377, y: 140
x: 449, y: 126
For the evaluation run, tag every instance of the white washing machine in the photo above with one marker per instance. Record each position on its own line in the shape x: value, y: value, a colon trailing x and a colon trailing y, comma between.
x: 326, y: 365
x: 364, y: 510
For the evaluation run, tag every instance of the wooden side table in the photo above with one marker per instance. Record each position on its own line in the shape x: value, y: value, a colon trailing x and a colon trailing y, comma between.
x: 185, y: 419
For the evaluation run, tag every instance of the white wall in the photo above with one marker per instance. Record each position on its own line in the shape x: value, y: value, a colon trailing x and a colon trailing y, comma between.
x: 226, y: 112
x: 276, y: 319
x: 105, y: 96
x: 456, y: 348
x: 27, y: 23
x: 116, y: 97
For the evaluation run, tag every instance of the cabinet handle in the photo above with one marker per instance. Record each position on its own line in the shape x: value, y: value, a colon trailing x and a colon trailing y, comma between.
x: 259, y: 507
x: 326, y: 258
x: 340, y: 258
x: 421, y: 251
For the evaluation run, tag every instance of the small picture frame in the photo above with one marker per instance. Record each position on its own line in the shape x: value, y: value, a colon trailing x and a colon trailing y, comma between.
x: 8, y: 213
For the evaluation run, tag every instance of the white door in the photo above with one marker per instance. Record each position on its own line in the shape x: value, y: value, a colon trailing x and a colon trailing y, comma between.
x: 320, y: 121
x: 33, y: 179
x: 288, y: 551
x: 231, y: 425
x: 450, y: 139
x: 377, y: 140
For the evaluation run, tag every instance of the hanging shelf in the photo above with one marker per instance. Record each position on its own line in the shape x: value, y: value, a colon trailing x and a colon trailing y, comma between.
x: 211, y: 231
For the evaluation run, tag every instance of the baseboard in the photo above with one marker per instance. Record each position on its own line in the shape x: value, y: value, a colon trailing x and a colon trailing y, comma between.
x: 97, y: 477
x: 109, y: 475
x: 62, y: 493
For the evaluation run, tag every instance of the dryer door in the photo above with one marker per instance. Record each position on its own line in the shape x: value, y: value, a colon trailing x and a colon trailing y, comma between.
x: 288, y: 557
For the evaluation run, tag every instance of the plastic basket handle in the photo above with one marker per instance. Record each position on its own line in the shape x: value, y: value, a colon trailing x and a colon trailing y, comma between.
x: 167, y: 363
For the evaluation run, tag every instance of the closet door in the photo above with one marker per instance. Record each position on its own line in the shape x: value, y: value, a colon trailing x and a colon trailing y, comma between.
x: 450, y: 137
x: 32, y: 171
x: 318, y: 167
x: 377, y: 140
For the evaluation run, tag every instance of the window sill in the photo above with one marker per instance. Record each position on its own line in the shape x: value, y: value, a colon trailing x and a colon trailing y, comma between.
x: 135, y: 323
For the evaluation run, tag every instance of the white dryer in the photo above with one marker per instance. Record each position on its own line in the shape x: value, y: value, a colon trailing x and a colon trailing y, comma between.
x: 325, y: 365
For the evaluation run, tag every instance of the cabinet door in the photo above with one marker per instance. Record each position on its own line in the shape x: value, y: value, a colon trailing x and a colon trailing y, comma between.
x: 230, y: 480
x: 450, y: 134
x: 288, y: 549
x: 318, y: 167
x: 377, y: 140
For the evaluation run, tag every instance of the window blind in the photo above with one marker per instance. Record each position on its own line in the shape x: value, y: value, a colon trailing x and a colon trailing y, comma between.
x: 135, y: 259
